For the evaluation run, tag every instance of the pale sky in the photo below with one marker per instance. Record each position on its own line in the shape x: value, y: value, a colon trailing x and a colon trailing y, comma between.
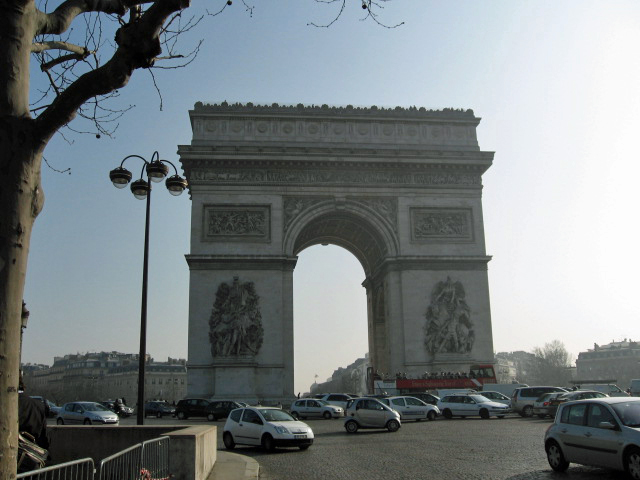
x: 557, y: 85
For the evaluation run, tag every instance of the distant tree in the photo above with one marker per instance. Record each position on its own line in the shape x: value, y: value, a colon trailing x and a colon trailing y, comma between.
x: 552, y: 364
x: 67, y: 40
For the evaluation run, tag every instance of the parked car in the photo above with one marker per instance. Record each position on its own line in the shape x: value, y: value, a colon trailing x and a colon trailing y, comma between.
x: 159, y: 409
x: 123, y: 410
x: 470, y: 406
x: 50, y: 408
x: 339, y: 399
x: 496, y: 397
x: 221, y: 409
x: 426, y: 397
x: 522, y: 398
x: 192, y: 407
x: 86, y: 413
x: 600, y: 432
x: 609, y: 388
x: 311, y: 407
x: 542, y: 404
x: 370, y: 413
x: 266, y: 426
x: 575, y: 395
x: 411, y: 408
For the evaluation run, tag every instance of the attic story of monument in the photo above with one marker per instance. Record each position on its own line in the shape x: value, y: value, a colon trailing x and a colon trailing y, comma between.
x: 401, y: 189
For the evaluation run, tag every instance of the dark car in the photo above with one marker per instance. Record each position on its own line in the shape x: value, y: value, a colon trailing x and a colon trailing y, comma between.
x: 221, y: 409
x: 192, y: 407
x: 158, y: 409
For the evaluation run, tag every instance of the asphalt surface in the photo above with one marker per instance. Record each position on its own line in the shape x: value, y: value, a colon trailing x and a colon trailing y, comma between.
x: 471, y: 448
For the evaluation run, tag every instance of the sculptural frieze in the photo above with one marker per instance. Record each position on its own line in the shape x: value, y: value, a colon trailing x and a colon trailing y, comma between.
x: 441, y: 224
x: 235, y: 325
x: 223, y: 222
x: 449, y: 328
x: 310, y: 176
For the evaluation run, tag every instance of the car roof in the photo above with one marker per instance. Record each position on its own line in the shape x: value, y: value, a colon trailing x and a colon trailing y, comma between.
x: 607, y: 400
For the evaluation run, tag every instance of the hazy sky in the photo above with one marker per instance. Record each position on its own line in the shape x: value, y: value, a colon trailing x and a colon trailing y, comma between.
x: 557, y: 85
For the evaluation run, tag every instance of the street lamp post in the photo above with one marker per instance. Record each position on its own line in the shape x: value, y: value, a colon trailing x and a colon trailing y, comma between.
x: 156, y: 171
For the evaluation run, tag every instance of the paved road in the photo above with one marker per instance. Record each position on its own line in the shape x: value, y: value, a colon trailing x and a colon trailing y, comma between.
x: 473, y: 449
x: 470, y: 449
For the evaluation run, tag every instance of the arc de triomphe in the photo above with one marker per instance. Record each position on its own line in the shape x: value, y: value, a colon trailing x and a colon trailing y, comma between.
x: 401, y: 189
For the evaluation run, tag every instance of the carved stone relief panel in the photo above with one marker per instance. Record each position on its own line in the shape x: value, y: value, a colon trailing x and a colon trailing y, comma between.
x: 386, y: 207
x: 440, y: 224
x: 246, y: 223
x: 449, y: 328
x: 235, y: 325
x: 311, y: 176
x: 294, y: 206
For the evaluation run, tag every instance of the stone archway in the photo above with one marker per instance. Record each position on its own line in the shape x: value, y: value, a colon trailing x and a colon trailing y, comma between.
x: 399, y: 189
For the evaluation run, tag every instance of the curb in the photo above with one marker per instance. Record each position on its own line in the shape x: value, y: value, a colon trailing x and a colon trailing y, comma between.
x: 232, y: 466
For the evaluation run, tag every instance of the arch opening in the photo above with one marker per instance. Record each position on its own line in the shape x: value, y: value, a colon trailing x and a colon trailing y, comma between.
x: 330, y: 327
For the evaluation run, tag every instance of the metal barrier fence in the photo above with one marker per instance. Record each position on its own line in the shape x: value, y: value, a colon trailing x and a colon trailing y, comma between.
x: 82, y: 469
x: 124, y: 465
x: 155, y: 459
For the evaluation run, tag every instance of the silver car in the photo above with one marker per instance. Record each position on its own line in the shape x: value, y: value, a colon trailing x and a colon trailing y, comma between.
x: 411, y: 408
x: 471, y: 405
x: 370, y: 413
x: 312, y: 407
x: 86, y: 413
x: 600, y: 432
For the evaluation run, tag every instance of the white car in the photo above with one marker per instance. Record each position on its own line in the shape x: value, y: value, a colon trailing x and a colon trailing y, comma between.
x: 267, y: 426
x: 411, y: 408
x: 471, y: 405
x: 339, y: 399
x: 600, y: 432
x: 496, y: 397
x: 311, y: 407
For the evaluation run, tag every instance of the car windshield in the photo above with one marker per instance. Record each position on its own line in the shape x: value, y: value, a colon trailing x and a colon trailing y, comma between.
x: 276, y: 415
x: 629, y: 413
x: 94, y: 407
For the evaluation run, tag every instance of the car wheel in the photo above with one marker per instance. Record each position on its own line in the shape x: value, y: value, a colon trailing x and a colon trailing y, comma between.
x: 632, y: 463
x: 327, y: 415
x: 60, y: 421
x: 527, y: 411
x: 555, y: 457
x: 351, y: 426
x: 484, y: 413
x: 227, y: 438
x: 211, y: 417
x: 267, y: 443
x: 393, y: 425
x: 447, y: 413
x: 159, y: 415
x: 303, y: 447
x: 295, y: 415
x: 181, y: 416
x: 86, y: 422
x: 431, y: 415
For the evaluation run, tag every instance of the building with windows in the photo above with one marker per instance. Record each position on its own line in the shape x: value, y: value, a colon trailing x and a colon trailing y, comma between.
x: 615, y: 362
x: 100, y: 376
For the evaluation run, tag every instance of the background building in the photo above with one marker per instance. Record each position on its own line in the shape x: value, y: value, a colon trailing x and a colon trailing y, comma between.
x: 616, y: 362
x: 99, y: 376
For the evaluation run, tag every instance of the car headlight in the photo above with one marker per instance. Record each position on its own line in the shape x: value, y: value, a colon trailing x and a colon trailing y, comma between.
x: 281, y: 429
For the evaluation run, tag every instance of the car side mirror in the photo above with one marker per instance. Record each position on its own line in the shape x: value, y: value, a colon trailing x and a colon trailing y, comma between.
x: 607, y: 426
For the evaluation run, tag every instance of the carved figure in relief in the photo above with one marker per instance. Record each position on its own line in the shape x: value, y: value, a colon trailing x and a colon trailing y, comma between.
x: 441, y: 224
x: 236, y: 223
x: 449, y: 328
x: 235, y: 326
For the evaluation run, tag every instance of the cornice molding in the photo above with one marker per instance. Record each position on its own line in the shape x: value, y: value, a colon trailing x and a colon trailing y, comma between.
x: 237, y: 262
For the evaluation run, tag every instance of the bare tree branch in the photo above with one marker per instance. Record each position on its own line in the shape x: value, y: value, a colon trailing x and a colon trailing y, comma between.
x: 367, y: 5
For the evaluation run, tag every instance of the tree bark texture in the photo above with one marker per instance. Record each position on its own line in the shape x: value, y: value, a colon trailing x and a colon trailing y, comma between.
x: 22, y: 142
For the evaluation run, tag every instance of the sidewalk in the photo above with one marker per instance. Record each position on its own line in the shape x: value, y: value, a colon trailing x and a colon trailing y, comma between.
x: 232, y: 466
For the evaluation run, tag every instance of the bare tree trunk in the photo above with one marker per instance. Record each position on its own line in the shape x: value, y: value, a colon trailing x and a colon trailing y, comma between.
x: 21, y: 200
